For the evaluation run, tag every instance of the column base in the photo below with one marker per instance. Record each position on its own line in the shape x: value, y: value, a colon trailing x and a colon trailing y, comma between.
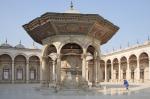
x: 27, y: 81
x: 93, y: 84
x: 44, y: 84
x: 12, y: 81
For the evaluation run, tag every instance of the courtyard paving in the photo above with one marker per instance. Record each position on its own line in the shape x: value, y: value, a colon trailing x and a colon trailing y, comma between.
x: 107, y: 91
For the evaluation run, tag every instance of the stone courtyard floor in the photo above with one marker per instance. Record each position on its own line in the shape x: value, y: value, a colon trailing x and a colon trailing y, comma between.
x: 106, y: 91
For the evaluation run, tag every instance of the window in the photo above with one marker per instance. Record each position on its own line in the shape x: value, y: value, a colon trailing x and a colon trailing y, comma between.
x: 19, y: 74
x: 116, y: 74
x: 5, y: 74
x: 124, y: 74
x: 141, y: 73
x: 32, y: 74
x: 132, y: 74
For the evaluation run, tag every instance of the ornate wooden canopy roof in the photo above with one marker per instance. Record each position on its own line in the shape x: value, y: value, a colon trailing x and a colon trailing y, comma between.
x: 50, y: 24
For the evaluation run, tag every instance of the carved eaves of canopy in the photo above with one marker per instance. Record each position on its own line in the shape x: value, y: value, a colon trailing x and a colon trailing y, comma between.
x: 51, y: 24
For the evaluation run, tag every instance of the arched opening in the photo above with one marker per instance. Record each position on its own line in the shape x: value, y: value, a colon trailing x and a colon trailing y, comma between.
x: 108, y: 70
x: 132, y: 66
x: 144, y: 66
x: 20, y: 68
x: 51, y: 63
x: 34, y: 69
x: 102, y: 65
x: 6, y: 68
x: 123, y: 67
x: 90, y: 61
x: 71, y: 65
x: 71, y: 62
x: 116, y: 68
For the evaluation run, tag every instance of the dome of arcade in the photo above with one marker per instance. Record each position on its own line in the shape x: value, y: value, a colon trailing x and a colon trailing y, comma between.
x: 5, y: 45
x: 20, y: 45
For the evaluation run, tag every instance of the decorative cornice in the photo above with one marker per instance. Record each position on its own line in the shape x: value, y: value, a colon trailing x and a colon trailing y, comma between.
x: 50, y: 24
x: 127, y: 49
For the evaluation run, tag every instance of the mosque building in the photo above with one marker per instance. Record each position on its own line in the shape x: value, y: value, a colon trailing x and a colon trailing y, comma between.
x: 71, y: 52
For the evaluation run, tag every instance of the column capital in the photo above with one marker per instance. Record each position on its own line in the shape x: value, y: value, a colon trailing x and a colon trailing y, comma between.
x: 44, y: 57
x: 83, y: 55
x: 27, y: 62
x: 59, y: 56
x: 96, y: 58
x: 13, y: 61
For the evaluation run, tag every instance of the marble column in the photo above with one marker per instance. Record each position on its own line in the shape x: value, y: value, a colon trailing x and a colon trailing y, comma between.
x: 121, y: 74
x: 119, y: 71
x: 138, y: 70
x: 96, y: 70
x: 87, y: 72
x: 94, y: 73
x: 105, y: 71
x: 44, y: 68
x: 27, y: 71
x: 13, y: 70
x: 40, y: 71
x: 149, y: 68
x: 84, y: 66
x: 112, y: 72
x: 58, y: 71
x: 99, y: 71
x: 128, y: 77
x: 53, y: 71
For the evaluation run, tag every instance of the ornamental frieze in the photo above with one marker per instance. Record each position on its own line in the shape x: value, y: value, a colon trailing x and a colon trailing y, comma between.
x: 73, y: 27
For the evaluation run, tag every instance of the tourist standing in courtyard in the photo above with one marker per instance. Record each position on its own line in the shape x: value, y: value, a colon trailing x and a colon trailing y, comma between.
x: 126, y: 84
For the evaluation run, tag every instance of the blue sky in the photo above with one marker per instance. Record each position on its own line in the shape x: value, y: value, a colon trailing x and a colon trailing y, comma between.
x: 132, y: 16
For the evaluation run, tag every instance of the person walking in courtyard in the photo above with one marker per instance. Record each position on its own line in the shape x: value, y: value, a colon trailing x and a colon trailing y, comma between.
x: 126, y: 84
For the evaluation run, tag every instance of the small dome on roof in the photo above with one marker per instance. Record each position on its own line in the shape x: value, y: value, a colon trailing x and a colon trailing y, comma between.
x: 19, y: 45
x: 5, y: 45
